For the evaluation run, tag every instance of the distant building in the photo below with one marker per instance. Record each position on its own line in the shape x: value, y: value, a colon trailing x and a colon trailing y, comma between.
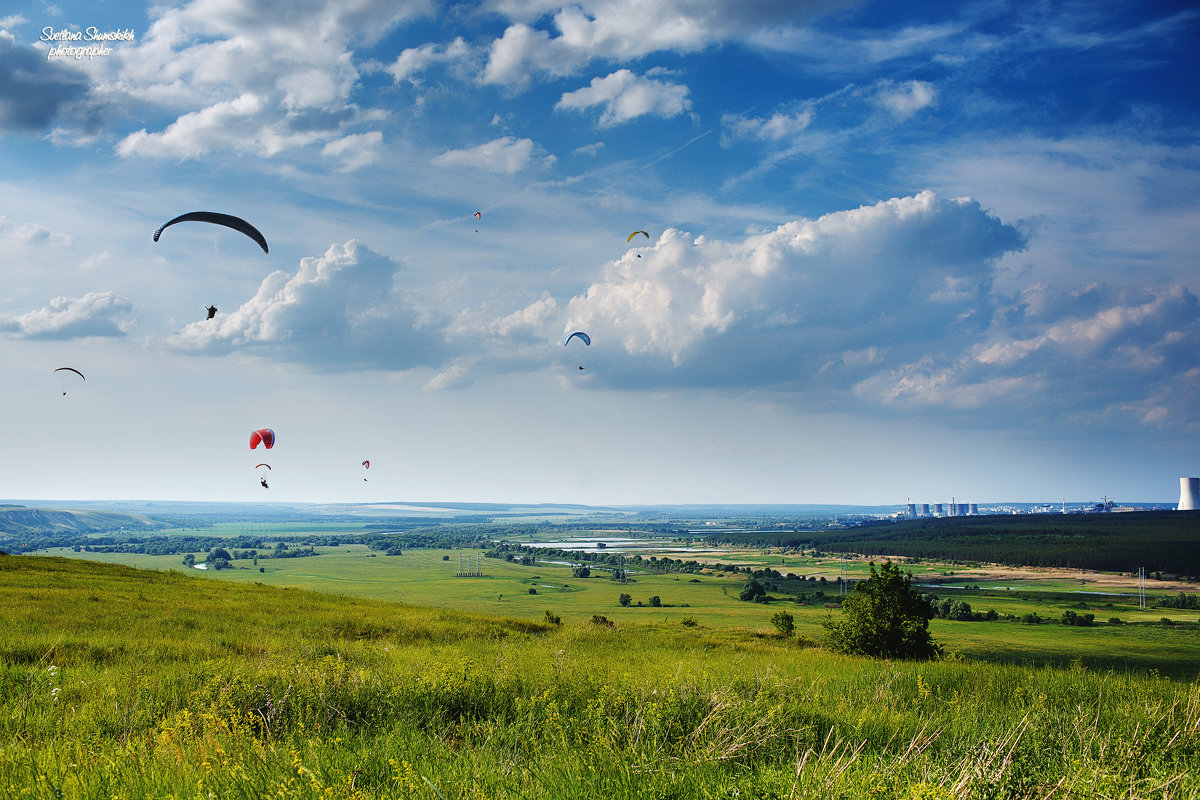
x: 1189, y: 494
x: 924, y: 509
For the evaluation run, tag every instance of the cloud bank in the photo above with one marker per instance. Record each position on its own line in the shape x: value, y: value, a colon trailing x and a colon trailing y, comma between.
x: 886, y: 308
x: 104, y: 314
x: 343, y: 310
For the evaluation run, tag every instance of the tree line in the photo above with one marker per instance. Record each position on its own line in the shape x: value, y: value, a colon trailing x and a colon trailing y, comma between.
x: 1160, y: 541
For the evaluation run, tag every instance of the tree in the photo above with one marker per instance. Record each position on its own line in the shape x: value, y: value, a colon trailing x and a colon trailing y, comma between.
x: 884, y: 617
x: 624, y: 599
x: 960, y: 610
x: 189, y: 560
x: 656, y: 601
x: 581, y: 571
x: 753, y: 590
x: 785, y: 623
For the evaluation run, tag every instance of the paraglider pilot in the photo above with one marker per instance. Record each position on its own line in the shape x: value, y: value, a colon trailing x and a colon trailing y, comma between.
x: 212, y: 311
x: 263, y: 481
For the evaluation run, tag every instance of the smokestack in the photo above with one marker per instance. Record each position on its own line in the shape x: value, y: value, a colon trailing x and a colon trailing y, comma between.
x: 1189, y: 494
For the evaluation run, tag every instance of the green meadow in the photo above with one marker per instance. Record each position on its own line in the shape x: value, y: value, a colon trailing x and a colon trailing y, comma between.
x: 127, y: 683
x: 426, y: 577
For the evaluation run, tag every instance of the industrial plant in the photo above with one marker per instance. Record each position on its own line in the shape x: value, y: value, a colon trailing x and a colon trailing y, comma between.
x: 1189, y: 500
x: 1189, y: 494
x: 957, y: 509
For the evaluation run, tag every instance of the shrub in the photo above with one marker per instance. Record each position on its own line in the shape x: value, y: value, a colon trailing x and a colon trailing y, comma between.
x: 883, y: 617
x: 532, y: 590
x: 752, y: 591
x: 603, y: 622
x: 1070, y: 617
x: 655, y: 601
x: 552, y: 619
x: 688, y: 622
x: 624, y: 599
x: 785, y: 623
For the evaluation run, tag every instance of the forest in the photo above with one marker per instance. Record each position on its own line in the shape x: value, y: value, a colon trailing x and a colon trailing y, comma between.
x: 1159, y: 541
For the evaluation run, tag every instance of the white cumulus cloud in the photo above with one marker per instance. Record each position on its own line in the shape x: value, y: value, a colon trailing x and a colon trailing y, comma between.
x: 504, y: 156
x: 197, y: 133
x: 908, y: 98
x: 625, y: 96
x: 340, y: 310
x: 355, y: 151
x: 624, y: 30
x: 14, y: 235
x: 94, y: 314
x: 839, y: 275
x: 247, y: 78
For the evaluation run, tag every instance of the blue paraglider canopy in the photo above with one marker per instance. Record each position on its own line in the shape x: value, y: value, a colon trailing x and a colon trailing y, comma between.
x: 583, y: 336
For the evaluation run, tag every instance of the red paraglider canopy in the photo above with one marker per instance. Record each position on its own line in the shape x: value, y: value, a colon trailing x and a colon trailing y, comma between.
x: 265, y: 436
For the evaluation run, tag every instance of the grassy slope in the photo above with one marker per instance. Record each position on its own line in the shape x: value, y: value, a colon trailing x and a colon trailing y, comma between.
x: 123, y: 683
x: 421, y: 577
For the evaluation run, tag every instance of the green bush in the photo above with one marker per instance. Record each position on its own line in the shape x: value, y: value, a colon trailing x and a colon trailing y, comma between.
x: 883, y: 617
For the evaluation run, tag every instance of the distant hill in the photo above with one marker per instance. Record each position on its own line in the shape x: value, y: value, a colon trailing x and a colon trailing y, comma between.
x: 22, y: 521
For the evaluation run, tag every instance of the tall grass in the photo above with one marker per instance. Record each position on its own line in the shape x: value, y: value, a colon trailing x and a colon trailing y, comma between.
x: 119, y: 683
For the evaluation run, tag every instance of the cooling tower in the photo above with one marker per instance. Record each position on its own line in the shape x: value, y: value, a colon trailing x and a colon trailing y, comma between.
x: 1189, y: 494
x: 912, y: 510
x: 937, y: 509
x: 974, y: 509
x: 924, y: 509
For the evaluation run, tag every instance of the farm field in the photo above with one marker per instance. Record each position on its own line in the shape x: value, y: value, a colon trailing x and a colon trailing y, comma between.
x: 426, y: 577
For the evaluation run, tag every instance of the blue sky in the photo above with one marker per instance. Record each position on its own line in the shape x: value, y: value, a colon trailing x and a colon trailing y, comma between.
x: 894, y: 251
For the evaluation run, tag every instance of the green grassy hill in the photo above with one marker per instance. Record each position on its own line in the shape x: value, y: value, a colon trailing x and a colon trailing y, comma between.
x: 116, y: 682
x: 21, y: 526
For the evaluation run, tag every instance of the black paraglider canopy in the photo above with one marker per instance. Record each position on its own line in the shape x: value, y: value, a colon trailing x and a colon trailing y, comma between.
x: 217, y: 218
